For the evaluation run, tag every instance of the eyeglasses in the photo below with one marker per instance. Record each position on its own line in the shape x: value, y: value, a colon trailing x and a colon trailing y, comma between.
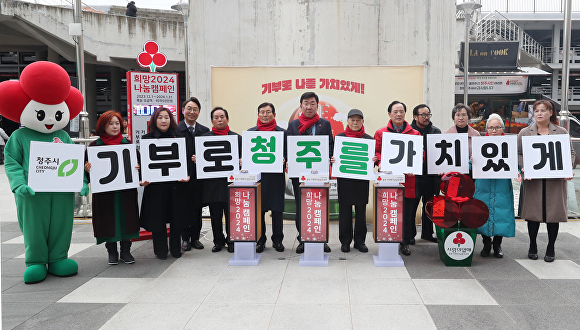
x: 494, y: 128
x: 425, y: 115
x: 192, y: 109
x: 267, y: 112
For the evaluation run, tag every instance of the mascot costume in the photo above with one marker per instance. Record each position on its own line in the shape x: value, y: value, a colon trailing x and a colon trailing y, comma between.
x: 44, y: 102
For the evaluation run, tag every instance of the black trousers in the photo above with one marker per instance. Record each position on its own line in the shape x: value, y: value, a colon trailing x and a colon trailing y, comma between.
x: 345, y: 232
x: 192, y: 232
x: 160, y: 242
x: 277, y: 226
x: 409, y: 228
x: 296, y: 189
x: 217, y: 210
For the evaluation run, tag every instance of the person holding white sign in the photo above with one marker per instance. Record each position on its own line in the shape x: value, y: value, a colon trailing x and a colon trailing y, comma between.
x: 272, y: 184
x: 115, y: 213
x: 308, y: 123
x: 352, y: 192
x: 160, y: 199
x: 397, y: 124
x: 498, y: 195
x: 216, y: 190
x: 543, y: 200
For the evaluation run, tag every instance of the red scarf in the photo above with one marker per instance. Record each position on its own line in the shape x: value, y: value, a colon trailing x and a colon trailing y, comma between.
x: 221, y: 131
x: 306, y: 123
x: 111, y: 140
x: 354, y: 134
x: 267, y: 127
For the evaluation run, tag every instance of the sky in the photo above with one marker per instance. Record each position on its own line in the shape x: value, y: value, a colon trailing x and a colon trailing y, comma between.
x: 153, y: 4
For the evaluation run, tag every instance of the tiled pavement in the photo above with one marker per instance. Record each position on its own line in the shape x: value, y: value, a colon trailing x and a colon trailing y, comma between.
x: 200, y: 290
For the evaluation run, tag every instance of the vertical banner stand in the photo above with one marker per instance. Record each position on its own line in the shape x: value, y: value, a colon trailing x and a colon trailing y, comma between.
x: 314, y: 251
x: 388, y: 255
x: 245, y: 251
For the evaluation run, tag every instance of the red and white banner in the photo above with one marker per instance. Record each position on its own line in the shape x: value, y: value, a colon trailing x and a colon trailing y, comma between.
x: 493, y: 84
x: 314, y: 214
x: 243, y: 214
x: 389, y: 214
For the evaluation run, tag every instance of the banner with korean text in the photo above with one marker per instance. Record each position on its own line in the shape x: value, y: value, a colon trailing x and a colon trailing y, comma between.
x: 113, y: 167
x: 547, y: 156
x: 447, y: 153
x: 495, y: 157
x: 56, y: 167
x: 216, y: 156
x: 264, y: 151
x: 339, y: 88
x: 163, y: 160
x: 353, y: 158
x: 307, y: 154
x: 402, y: 153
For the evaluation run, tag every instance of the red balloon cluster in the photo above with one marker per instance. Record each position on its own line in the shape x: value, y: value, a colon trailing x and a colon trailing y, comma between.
x: 457, y: 203
x: 151, y: 57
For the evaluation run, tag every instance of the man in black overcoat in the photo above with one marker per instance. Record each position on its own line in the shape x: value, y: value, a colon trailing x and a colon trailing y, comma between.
x: 309, y: 123
x: 191, y: 192
x: 272, y: 184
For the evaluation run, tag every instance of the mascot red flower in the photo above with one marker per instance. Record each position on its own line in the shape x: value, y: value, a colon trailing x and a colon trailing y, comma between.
x: 44, y: 102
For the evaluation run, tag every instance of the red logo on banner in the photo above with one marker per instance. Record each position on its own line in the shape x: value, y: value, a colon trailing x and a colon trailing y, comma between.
x: 313, y: 214
x: 231, y: 177
x: 389, y: 217
x: 243, y: 214
x: 151, y: 57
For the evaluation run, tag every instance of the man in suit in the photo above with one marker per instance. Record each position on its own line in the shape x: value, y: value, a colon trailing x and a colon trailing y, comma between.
x: 272, y: 184
x: 308, y: 123
x: 192, y: 190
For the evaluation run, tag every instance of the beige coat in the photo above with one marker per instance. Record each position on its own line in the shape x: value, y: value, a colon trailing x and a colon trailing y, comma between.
x: 471, y: 132
x: 556, y: 189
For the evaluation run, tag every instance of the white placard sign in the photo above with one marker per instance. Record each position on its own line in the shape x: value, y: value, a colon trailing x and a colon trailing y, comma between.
x: 263, y: 151
x: 113, y: 167
x: 447, y: 153
x: 402, y: 153
x: 163, y: 159
x: 547, y: 156
x: 56, y: 167
x: 307, y: 154
x: 353, y: 158
x: 217, y: 156
x: 494, y: 157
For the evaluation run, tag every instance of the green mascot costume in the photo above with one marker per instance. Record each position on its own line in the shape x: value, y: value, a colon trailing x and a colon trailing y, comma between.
x: 44, y: 102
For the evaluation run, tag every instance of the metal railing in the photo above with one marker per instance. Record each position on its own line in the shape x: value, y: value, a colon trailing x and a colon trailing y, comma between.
x: 496, y: 27
x: 554, y: 54
x: 547, y: 90
x: 528, y: 6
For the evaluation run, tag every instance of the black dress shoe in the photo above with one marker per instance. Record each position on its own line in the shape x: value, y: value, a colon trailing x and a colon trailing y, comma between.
x: 548, y: 258
x: 412, y: 241
x: 197, y: 245
x: 176, y: 255
x: 300, y: 248
x: 161, y: 256
x: 497, y: 252
x: 216, y: 248
x: 279, y: 247
x: 405, y: 249
x: 486, y: 251
x: 327, y: 248
x: 533, y: 254
x: 430, y: 239
x: 259, y: 248
x: 345, y: 248
x: 361, y: 247
x: 185, y: 246
x: 231, y: 247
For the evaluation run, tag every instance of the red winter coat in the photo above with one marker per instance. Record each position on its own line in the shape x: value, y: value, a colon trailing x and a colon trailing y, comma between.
x: 407, y: 129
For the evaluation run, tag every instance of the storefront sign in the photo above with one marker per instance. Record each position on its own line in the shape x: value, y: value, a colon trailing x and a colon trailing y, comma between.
x: 388, y: 226
x: 495, y: 56
x: 314, y: 213
x: 493, y: 84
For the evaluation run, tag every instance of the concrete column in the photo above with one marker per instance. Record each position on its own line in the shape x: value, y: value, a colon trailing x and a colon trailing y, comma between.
x: 116, y: 89
x: 53, y: 56
x: 556, y: 42
x: 91, y: 94
x: 555, y: 85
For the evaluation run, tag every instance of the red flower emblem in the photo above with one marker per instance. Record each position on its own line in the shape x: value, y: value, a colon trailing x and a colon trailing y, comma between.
x: 459, y: 239
x: 151, y: 57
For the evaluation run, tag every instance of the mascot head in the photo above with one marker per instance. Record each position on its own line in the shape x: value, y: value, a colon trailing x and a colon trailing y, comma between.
x: 42, y: 100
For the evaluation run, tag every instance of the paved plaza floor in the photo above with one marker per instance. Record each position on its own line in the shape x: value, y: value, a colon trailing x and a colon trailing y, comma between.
x: 200, y: 291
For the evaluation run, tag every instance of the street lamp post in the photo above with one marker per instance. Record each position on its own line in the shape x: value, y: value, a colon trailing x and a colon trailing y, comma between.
x: 183, y: 7
x: 564, y: 113
x: 468, y: 7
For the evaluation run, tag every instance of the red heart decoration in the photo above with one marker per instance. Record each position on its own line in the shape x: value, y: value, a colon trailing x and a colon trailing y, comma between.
x: 443, y: 211
x: 474, y: 213
x: 455, y: 184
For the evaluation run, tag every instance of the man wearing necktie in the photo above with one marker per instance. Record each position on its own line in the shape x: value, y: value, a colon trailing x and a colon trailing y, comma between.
x: 190, y: 192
